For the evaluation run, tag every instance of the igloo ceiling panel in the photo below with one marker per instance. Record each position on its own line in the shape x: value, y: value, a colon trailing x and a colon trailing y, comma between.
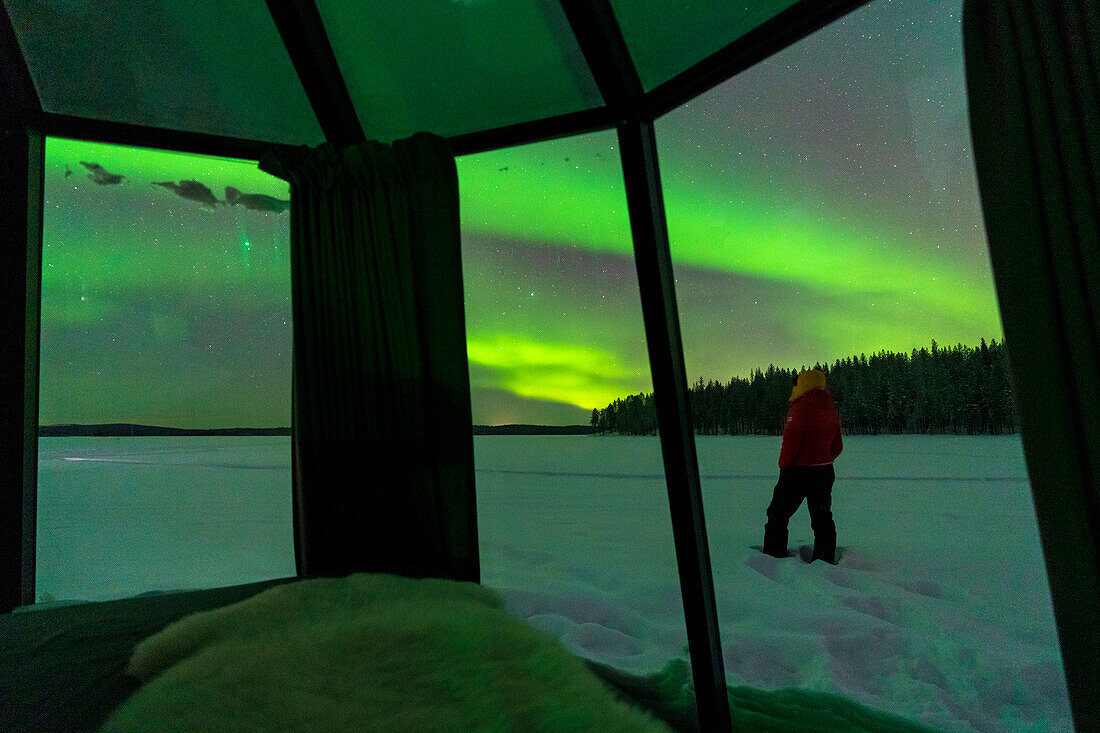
x: 196, y: 66
x: 666, y: 37
x: 456, y: 66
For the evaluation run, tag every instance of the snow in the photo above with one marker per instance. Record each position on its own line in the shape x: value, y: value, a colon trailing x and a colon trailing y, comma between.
x: 939, y: 609
x: 121, y: 516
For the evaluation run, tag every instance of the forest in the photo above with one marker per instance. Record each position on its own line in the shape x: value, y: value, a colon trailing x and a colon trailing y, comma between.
x: 958, y: 390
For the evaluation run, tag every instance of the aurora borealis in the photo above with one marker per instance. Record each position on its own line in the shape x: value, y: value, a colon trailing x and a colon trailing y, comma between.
x: 158, y: 309
x: 820, y: 204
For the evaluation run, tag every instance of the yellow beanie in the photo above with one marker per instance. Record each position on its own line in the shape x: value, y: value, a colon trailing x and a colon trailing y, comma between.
x: 807, y: 380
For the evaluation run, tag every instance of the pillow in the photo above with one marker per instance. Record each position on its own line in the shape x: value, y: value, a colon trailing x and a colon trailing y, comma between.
x: 366, y: 653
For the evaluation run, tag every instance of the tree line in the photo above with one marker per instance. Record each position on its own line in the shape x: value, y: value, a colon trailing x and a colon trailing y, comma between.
x: 958, y: 390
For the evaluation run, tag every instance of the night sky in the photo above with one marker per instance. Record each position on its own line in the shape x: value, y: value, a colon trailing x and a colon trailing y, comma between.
x: 820, y: 204
x: 159, y: 309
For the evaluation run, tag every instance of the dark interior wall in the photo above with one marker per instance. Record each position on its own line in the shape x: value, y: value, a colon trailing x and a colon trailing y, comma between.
x: 21, y: 162
x: 22, y: 151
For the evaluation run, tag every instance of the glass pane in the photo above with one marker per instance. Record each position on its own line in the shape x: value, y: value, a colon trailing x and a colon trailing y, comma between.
x: 823, y: 208
x: 456, y: 67
x: 202, y: 66
x: 574, y: 528
x: 666, y: 38
x: 165, y: 307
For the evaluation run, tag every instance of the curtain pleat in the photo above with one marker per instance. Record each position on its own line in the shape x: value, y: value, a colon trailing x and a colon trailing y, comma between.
x: 1033, y: 85
x: 383, y: 445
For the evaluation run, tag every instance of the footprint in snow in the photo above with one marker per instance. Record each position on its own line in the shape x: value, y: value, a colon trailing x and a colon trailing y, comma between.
x: 872, y: 606
x: 926, y: 588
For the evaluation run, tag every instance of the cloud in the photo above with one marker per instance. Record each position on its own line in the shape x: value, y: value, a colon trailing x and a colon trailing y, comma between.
x: 191, y: 190
x: 255, y: 201
x: 100, y: 176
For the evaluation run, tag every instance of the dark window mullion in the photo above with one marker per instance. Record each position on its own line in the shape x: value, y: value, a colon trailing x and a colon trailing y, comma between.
x: 638, y: 148
x: 21, y: 170
x: 142, y: 136
x: 601, y: 40
x: 307, y: 43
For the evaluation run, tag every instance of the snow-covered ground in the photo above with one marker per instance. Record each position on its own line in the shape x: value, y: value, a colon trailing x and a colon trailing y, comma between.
x: 122, y: 516
x: 938, y: 611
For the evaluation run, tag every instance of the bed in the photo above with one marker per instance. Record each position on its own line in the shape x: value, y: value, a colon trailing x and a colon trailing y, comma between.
x: 309, y: 655
x: 64, y: 667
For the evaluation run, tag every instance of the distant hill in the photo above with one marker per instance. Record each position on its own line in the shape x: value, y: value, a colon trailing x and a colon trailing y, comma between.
x: 127, y: 429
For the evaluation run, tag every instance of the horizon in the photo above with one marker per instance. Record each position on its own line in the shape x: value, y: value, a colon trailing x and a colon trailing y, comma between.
x: 239, y: 428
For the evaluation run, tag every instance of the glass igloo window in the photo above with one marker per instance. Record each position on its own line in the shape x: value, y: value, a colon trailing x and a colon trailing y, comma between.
x: 573, y: 522
x: 199, y: 66
x: 823, y: 210
x: 456, y: 67
x: 164, y: 461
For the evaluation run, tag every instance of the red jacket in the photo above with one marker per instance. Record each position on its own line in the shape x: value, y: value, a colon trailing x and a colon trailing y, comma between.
x: 812, y: 433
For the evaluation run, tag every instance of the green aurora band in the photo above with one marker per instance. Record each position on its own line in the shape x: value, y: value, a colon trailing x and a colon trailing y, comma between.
x: 156, y: 309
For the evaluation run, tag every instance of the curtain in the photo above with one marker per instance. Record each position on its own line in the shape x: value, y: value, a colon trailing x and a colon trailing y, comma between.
x: 1032, y: 78
x: 382, y: 428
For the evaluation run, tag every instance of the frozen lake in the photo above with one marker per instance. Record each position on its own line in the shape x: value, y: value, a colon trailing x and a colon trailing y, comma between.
x: 939, y: 609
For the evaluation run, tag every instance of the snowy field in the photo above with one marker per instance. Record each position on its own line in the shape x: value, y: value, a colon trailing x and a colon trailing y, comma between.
x: 122, y: 516
x: 939, y: 609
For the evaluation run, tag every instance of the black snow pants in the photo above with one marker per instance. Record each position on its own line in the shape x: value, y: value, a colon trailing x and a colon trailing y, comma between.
x: 815, y: 485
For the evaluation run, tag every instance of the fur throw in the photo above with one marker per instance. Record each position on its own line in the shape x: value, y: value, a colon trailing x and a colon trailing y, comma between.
x: 366, y: 653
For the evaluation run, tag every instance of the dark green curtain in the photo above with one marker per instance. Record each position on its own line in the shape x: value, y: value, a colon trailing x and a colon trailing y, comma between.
x: 383, y: 445
x: 1032, y: 76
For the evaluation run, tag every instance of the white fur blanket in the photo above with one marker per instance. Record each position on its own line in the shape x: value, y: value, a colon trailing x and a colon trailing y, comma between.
x: 366, y: 653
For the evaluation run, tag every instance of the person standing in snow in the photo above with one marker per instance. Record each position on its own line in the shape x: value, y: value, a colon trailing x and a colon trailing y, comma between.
x: 811, y: 442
